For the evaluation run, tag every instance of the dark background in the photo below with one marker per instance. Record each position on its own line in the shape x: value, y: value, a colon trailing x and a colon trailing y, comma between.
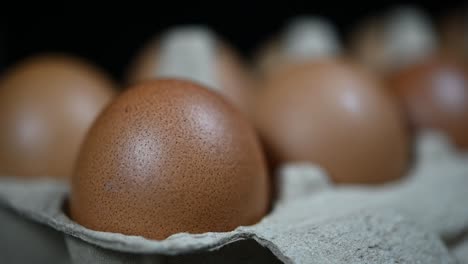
x: 109, y: 36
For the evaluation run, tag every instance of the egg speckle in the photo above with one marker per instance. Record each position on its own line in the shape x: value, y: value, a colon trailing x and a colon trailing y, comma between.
x: 169, y: 156
x: 336, y: 116
x: 47, y: 104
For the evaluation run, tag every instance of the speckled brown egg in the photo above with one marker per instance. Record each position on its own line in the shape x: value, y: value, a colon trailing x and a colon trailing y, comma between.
x: 47, y: 104
x: 169, y: 156
x: 435, y: 96
x: 334, y: 115
x: 195, y: 53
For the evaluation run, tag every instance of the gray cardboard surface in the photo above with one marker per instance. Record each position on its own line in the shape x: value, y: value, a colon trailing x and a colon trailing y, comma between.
x: 401, y: 222
x: 461, y: 252
x: 25, y: 241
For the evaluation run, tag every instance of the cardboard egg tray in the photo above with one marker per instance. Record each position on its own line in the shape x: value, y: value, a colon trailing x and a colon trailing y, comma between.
x: 423, y: 218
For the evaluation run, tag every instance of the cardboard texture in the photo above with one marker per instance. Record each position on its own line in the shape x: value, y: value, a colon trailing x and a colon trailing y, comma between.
x: 414, y: 220
x: 460, y: 251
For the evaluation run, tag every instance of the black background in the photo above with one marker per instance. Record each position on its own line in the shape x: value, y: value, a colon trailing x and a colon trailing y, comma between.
x: 110, y: 35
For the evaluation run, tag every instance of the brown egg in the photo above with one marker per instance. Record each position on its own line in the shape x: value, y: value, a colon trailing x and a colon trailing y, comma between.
x: 169, y: 156
x: 194, y: 53
x: 47, y: 104
x: 435, y: 96
x: 384, y: 44
x: 303, y: 39
x: 334, y: 115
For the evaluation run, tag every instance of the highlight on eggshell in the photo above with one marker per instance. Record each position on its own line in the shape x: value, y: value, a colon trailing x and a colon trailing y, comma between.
x: 169, y: 156
x: 434, y: 95
x: 337, y: 116
x: 303, y: 39
x: 195, y: 53
x: 47, y: 104
x: 404, y: 35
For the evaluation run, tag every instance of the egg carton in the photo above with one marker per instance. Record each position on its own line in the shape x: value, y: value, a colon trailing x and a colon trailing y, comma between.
x: 423, y: 218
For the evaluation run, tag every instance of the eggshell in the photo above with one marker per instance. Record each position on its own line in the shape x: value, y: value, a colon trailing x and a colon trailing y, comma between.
x: 337, y: 116
x: 195, y: 53
x: 169, y: 156
x: 47, y: 104
x: 435, y: 96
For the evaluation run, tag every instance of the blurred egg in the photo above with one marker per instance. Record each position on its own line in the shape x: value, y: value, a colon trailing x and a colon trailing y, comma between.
x: 195, y: 53
x: 303, y: 39
x: 47, y: 104
x: 435, y: 96
x: 403, y: 36
x: 169, y: 156
x: 334, y: 115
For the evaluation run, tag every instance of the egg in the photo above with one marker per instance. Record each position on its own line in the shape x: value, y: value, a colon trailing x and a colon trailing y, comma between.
x: 47, y: 104
x: 169, y: 156
x: 303, y: 39
x: 335, y: 115
x: 402, y: 36
x: 195, y: 53
x: 434, y: 94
